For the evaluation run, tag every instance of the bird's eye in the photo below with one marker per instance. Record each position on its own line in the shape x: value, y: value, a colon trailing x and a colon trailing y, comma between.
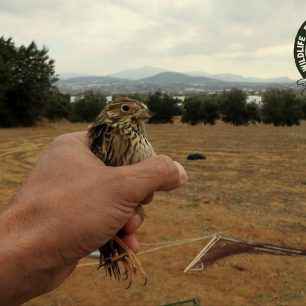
x: 125, y: 108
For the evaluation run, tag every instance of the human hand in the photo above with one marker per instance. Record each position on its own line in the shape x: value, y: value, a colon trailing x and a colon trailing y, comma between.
x: 71, y: 204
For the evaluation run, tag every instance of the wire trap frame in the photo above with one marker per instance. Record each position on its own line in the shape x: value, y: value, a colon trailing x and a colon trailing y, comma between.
x: 220, y: 247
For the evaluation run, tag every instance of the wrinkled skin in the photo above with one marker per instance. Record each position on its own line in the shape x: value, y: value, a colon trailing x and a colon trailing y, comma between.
x: 69, y: 205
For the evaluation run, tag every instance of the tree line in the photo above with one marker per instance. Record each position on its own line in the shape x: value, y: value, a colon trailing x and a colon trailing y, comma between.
x: 279, y: 107
x: 28, y: 94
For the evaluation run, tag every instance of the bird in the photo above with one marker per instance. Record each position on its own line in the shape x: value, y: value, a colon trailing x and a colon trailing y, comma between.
x: 118, y: 137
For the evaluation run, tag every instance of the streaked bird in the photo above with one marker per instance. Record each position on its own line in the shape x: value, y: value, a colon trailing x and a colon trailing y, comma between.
x: 118, y: 138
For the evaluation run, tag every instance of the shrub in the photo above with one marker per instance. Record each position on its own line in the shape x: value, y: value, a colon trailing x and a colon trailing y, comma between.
x: 88, y: 108
x: 233, y: 107
x: 281, y: 107
x: 163, y: 107
x: 58, y: 107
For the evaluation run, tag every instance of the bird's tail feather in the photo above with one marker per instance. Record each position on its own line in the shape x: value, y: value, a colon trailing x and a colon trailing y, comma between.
x: 107, y: 252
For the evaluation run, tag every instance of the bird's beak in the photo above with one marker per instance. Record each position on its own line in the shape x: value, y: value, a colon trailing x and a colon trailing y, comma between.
x: 144, y: 114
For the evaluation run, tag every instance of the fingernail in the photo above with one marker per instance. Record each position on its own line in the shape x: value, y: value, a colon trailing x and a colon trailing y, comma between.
x: 182, y: 171
x: 137, y: 219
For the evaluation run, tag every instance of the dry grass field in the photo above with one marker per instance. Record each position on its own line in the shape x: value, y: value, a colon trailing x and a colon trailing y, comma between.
x: 252, y: 186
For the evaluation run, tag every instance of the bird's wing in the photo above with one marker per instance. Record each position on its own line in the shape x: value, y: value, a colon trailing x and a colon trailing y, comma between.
x: 96, y: 135
x: 109, y: 144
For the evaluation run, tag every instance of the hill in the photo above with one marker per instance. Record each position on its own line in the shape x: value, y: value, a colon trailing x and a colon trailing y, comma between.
x: 172, y: 82
x: 229, y: 77
x: 137, y: 73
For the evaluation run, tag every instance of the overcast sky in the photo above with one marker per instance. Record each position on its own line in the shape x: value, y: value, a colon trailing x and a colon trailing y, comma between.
x: 252, y: 38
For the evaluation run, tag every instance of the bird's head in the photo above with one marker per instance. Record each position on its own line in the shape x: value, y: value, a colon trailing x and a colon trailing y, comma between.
x: 127, y: 110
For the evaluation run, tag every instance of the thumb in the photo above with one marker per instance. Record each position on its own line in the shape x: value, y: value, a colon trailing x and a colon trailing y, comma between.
x: 158, y: 173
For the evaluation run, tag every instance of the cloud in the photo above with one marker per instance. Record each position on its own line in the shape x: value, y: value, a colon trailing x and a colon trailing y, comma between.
x: 103, y: 36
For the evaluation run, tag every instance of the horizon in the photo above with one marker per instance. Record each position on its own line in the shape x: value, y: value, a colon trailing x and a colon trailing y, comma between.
x: 189, y: 72
x: 103, y: 37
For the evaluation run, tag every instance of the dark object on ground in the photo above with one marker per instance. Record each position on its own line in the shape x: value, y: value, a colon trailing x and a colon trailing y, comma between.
x: 220, y: 247
x: 190, y: 302
x: 195, y: 156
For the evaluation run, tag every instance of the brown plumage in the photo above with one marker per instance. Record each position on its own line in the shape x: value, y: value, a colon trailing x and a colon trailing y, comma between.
x: 118, y: 138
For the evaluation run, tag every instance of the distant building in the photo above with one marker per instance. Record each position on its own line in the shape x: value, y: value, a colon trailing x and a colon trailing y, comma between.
x: 212, y: 92
x: 74, y: 99
x: 180, y: 98
x: 255, y: 98
x: 109, y: 99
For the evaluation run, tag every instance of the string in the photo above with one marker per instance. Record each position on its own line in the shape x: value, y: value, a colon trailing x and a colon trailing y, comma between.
x: 162, y: 245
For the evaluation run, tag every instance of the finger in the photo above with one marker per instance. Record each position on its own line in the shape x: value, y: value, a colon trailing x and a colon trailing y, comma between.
x: 75, y: 137
x: 153, y: 174
x: 82, y: 136
x: 131, y: 242
x: 135, y: 221
x: 148, y: 199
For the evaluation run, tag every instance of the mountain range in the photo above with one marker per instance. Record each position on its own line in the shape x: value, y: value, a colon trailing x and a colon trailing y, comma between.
x: 148, y: 71
x: 146, y: 79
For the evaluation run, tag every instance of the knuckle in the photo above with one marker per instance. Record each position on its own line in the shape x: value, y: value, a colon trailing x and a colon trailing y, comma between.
x: 62, y: 139
x: 165, y: 166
